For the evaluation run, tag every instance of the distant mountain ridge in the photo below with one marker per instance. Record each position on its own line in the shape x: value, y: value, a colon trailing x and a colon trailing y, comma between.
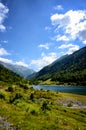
x: 68, y: 69
x: 20, y: 70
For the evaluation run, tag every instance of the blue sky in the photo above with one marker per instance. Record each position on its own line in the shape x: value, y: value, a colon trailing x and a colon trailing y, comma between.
x: 34, y: 33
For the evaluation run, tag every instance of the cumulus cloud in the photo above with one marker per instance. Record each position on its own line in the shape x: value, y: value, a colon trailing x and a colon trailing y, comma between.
x: 6, y: 60
x: 71, y: 23
x: 44, y: 60
x: 45, y: 46
x: 71, y: 48
x: 21, y: 63
x: 3, y: 52
x: 58, y: 7
x: 3, y: 12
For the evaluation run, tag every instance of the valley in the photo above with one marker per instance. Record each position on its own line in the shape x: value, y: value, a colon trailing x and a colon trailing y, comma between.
x: 42, y: 64
x: 23, y: 107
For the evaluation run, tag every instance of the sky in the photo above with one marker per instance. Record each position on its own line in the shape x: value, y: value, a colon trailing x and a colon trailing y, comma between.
x: 34, y: 33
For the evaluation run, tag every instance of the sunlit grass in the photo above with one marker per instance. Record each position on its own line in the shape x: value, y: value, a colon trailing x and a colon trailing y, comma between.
x: 42, y: 110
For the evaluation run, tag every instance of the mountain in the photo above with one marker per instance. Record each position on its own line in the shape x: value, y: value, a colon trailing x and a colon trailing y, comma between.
x: 20, y: 70
x: 9, y: 76
x: 70, y: 69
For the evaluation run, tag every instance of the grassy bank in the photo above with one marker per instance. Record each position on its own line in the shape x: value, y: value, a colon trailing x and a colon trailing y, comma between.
x: 29, y: 109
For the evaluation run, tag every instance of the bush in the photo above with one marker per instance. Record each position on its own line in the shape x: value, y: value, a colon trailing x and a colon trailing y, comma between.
x: 10, y: 89
x: 44, y: 105
x: 2, y: 96
x: 18, y: 96
x: 15, y: 97
x: 31, y: 96
x: 33, y: 112
x: 24, y: 86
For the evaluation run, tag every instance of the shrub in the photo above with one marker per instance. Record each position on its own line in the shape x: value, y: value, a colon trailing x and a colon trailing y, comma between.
x: 33, y: 112
x: 15, y: 97
x: 31, y: 96
x: 44, y: 105
x: 2, y: 96
x: 24, y: 86
x: 18, y: 96
x: 10, y: 89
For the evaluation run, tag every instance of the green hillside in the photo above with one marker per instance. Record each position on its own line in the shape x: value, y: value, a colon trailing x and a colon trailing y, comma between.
x: 8, y: 76
x: 18, y: 69
x: 32, y: 109
x: 70, y: 69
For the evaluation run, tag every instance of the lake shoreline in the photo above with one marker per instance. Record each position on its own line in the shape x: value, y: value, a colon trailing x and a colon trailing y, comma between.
x: 60, y: 88
x: 58, y: 85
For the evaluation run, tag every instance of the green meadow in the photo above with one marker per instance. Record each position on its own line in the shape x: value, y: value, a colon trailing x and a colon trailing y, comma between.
x: 29, y: 109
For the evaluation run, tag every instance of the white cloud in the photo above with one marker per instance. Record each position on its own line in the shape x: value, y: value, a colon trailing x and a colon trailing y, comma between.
x: 61, y: 38
x: 59, y: 19
x: 3, y: 52
x: 6, y: 60
x: 44, y: 60
x: 3, y: 11
x: 2, y: 28
x: 63, y: 46
x: 21, y: 63
x: 71, y: 48
x: 45, y: 46
x: 71, y: 23
x: 84, y: 42
x: 58, y: 7
x: 39, y: 63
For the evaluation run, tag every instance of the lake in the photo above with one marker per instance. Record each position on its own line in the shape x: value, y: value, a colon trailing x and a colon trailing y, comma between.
x: 69, y: 89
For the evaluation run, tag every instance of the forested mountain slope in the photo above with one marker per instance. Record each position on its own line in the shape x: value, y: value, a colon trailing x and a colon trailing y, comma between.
x: 69, y: 69
x: 20, y: 70
x: 8, y: 76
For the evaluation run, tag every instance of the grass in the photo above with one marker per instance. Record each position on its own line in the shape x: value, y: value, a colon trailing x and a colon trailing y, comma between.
x: 30, y: 109
x: 48, y: 82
